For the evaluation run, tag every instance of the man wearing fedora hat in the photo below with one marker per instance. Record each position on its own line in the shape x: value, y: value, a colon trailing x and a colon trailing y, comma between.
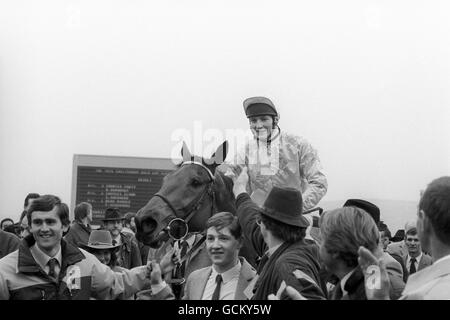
x: 128, y: 254
x: 276, y: 232
x: 276, y: 158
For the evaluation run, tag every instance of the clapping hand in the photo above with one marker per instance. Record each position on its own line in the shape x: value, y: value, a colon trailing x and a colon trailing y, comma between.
x: 155, y: 272
x: 240, y: 182
x: 169, y: 261
x: 376, y: 278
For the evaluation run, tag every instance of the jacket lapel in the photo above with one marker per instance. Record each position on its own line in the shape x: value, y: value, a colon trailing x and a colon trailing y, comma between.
x: 425, y: 261
x: 26, y: 262
x: 245, y: 277
x: 199, y: 284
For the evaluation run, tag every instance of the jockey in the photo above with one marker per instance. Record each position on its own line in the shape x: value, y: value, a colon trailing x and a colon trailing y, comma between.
x: 275, y: 158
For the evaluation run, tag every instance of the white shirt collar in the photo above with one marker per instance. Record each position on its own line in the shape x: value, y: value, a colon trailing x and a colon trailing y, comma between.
x: 417, y: 258
x: 42, y: 258
x: 228, y: 275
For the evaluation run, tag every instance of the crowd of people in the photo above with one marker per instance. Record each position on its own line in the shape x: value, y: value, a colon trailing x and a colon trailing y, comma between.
x: 347, y: 253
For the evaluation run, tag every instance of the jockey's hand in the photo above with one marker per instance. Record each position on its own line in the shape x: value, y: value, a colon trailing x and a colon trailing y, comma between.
x: 376, y: 278
x: 169, y: 261
x: 155, y: 274
x: 240, y: 183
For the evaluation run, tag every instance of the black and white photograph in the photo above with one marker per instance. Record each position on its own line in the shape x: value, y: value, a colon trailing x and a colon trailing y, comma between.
x: 224, y: 150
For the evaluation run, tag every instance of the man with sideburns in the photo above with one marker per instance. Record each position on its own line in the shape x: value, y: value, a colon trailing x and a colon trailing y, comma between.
x: 46, y: 267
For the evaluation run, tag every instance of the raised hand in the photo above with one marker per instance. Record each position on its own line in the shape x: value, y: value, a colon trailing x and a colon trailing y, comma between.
x: 240, y: 182
x: 169, y: 261
x: 155, y: 274
x: 376, y: 278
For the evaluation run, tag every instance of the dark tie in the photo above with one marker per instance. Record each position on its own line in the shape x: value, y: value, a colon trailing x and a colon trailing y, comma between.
x: 412, y: 267
x: 179, y: 271
x: 114, y: 242
x: 184, y: 248
x: 52, y: 264
x: 216, y: 294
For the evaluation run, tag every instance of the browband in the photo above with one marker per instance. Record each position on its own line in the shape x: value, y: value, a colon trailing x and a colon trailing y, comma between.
x: 202, y: 165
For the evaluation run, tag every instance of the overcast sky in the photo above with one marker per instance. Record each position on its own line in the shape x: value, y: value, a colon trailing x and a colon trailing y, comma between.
x: 366, y: 82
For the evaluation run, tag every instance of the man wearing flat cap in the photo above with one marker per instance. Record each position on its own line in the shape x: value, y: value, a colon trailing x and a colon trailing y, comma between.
x: 276, y: 232
x: 275, y: 158
x: 128, y: 255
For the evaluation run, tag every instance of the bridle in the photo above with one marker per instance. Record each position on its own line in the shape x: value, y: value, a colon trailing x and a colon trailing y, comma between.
x: 195, y: 204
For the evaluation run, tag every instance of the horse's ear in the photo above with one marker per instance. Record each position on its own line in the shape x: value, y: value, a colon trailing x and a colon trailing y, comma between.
x: 220, y: 155
x: 185, y: 153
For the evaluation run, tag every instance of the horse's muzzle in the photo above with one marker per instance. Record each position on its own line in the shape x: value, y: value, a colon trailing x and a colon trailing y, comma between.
x: 151, y: 222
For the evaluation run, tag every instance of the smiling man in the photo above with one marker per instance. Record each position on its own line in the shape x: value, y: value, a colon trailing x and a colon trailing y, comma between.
x: 415, y: 260
x: 46, y: 267
x: 275, y: 158
x: 229, y: 275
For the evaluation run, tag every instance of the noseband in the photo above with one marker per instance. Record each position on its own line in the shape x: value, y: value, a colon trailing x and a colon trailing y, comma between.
x: 196, y: 203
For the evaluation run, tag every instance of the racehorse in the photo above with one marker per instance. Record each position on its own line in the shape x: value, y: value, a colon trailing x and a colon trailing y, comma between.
x: 191, y: 194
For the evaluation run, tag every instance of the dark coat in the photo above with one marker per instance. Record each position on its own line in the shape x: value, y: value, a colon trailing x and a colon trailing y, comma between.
x: 297, y: 264
x: 8, y: 243
x: 129, y: 255
x: 78, y: 234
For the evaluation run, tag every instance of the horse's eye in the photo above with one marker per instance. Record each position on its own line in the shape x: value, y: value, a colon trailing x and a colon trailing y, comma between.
x: 196, y: 183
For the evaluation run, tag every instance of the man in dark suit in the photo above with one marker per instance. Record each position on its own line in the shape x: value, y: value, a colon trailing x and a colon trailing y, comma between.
x: 416, y: 260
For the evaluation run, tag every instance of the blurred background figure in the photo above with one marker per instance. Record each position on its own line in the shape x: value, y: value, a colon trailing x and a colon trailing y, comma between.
x: 29, y: 200
x: 129, y: 226
x: 6, y: 222
x: 385, y: 238
x: 128, y: 223
x: 399, y: 247
x: 128, y: 255
x: 8, y: 243
x: 80, y: 229
x: 415, y: 260
x: 23, y: 227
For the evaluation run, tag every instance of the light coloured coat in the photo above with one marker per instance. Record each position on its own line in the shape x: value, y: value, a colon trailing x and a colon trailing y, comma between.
x: 432, y: 283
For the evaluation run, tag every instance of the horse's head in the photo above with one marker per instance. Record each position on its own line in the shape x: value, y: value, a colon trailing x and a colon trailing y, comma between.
x: 189, y: 193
